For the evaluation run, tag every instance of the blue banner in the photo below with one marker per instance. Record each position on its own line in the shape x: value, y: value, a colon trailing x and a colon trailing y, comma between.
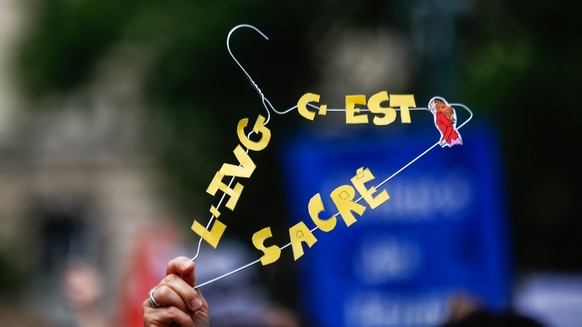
x: 442, y: 232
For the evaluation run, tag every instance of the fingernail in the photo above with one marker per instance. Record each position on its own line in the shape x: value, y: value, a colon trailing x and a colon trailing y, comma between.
x: 186, y: 264
x: 196, y: 304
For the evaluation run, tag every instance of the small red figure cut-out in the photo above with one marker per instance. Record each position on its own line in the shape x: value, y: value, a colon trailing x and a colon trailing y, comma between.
x: 445, y: 119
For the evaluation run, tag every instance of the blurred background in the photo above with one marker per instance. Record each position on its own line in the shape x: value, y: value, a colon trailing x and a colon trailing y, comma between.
x: 115, y: 115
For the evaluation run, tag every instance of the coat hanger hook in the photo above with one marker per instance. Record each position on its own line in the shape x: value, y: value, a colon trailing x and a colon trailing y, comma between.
x: 234, y: 58
x: 264, y: 100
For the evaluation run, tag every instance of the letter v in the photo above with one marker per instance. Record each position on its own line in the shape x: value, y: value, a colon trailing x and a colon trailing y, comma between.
x: 246, y: 167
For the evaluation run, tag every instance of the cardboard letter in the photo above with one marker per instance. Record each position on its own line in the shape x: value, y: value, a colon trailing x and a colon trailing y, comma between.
x: 259, y: 128
x: 351, y: 110
x: 302, y: 106
x: 211, y: 236
x: 405, y: 102
x: 217, y: 184
x: 300, y: 233
x: 364, y: 176
x: 246, y: 167
x: 343, y: 198
x: 315, y: 207
x: 271, y: 253
x: 388, y: 113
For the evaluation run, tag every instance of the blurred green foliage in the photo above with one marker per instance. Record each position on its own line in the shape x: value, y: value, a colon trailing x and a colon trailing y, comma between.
x: 186, y: 85
x: 521, y: 63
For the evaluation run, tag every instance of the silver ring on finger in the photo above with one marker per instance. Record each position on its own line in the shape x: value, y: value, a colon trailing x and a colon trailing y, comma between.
x: 153, y: 301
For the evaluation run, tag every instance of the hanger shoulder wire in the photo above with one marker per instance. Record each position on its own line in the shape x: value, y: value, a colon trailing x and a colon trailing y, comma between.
x: 268, y: 106
x: 359, y: 199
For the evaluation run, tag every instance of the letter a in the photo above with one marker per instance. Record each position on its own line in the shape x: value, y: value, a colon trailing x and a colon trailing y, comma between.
x: 300, y: 233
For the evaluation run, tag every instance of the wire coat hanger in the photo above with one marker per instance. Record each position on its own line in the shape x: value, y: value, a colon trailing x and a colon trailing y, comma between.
x: 269, y: 107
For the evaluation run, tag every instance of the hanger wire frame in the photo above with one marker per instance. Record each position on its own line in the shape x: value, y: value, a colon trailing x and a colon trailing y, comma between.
x: 269, y: 107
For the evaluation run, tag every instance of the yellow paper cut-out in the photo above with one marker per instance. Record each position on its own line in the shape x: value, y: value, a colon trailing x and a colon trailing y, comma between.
x: 271, y: 253
x: 302, y: 106
x: 364, y: 176
x: 343, y: 198
x: 211, y: 236
x: 217, y: 184
x: 244, y: 169
x: 354, y: 108
x: 300, y: 233
x: 404, y: 102
x: 315, y: 207
x: 353, y: 115
x: 258, y: 128
x: 375, y: 105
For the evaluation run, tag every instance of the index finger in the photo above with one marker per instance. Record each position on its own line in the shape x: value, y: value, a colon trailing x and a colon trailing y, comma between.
x: 183, y: 267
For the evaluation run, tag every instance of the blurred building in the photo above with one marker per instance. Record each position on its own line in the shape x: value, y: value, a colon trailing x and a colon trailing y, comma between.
x: 73, y: 182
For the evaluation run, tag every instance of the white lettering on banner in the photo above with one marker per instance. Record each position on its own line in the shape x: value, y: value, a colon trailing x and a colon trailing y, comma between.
x: 376, y: 309
x: 425, y: 197
x: 384, y: 259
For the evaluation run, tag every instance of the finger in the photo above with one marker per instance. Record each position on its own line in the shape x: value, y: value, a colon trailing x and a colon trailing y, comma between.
x: 201, y: 316
x: 186, y: 293
x: 166, y: 296
x: 204, y: 303
x: 165, y: 316
x: 182, y: 266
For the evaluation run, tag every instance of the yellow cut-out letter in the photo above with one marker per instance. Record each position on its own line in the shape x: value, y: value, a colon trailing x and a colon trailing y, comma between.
x: 217, y: 184
x: 302, y: 106
x: 315, y: 207
x: 259, y: 128
x: 405, y: 102
x: 364, y: 176
x: 343, y: 198
x: 271, y: 253
x: 211, y: 236
x: 300, y: 233
x: 246, y: 167
x: 351, y: 110
x: 388, y: 113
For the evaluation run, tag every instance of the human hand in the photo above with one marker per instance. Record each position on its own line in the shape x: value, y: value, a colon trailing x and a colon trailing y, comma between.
x: 174, y: 301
